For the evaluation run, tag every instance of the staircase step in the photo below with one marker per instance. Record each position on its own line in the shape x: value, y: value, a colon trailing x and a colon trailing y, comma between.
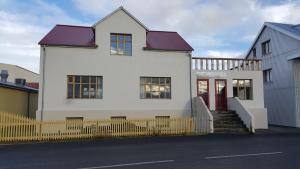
x: 231, y: 130
x: 229, y: 125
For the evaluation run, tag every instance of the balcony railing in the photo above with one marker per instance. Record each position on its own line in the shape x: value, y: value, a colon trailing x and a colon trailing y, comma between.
x: 226, y: 64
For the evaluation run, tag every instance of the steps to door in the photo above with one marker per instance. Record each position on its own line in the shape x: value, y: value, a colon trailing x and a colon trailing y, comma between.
x: 228, y: 122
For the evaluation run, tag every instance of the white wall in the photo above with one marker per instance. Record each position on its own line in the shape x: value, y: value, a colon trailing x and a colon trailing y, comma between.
x: 121, y: 77
x: 255, y: 76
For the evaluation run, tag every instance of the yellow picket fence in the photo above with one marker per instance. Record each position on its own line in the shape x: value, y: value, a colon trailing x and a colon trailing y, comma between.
x: 17, y: 128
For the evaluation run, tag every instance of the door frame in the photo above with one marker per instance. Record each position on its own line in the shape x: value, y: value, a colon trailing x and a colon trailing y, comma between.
x: 225, y: 80
x: 208, y: 97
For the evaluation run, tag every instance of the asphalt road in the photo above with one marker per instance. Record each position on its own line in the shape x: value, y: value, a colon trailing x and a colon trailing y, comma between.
x: 265, y: 151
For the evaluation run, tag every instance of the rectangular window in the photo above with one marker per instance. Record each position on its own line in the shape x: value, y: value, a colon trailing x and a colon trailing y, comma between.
x: 118, y: 117
x: 242, y: 88
x: 155, y: 88
x: 268, y: 76
x: 85, y: 87
x: 162, y: 121
x: 265, y: 48
x: 74, y: 123
x: 254, y: 52
x: 120, y: 44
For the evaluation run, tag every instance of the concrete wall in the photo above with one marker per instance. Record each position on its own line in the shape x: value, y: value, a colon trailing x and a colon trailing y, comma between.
x: 121, y: 77
x: 280, y: 93
x: 297, y: 90
x: 16, y: 101
x: 19, y: 72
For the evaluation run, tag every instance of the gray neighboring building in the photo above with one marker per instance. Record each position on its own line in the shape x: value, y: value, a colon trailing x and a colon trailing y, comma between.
x: 278, y: 45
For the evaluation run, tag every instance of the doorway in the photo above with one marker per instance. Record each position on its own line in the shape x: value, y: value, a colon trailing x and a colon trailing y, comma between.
x: 221, y: 94
x: 203, y: 90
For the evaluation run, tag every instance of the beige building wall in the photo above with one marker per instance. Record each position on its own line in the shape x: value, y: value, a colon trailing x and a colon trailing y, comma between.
x: 16, y: 101
x: 15, y: 71
x: 121, y: 77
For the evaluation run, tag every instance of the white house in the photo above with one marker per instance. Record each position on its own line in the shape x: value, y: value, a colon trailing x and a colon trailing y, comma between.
x: 118, y: 68
x: 278, y: 45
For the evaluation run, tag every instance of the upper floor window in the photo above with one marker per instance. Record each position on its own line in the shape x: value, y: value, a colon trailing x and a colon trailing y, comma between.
x: 265, y: 47
x: 254, y: 52
x: 242, y: 88
x: 155, y: 88
x: 85, y: 87
x: 120, y: 44
x: 268, y: 76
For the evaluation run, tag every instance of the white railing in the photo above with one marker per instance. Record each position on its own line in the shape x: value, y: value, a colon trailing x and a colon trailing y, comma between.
x: 202, y: 116
x: 202, y: 63
x: 245, y: 115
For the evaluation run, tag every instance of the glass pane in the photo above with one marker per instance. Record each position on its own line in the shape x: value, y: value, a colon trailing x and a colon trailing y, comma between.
x: 168, y: 80
x: 84, y: 91
x: 128, y: 48
x: 85, y: 79
x: 77, y: 79
x: 93, y: 79
x: 168, y: 95
x: 121, y: 37
x: 154, y: 88
x: 70, y: 90
x: 127, y: 38
x: 148, y: 95
x: 142, y: 91
x: 77, y: 90
x: 147, y: 88
x: 161, y: 88
x: 234, y: 83
x: 70, y: 78
x: 93, y: 91
x: 162, y: 95
x: 155, y: 80
x: 162, y: 80
x: 113, y: 37
x: 113, y: 48
x: 121, y: 48
x: 235, y: 92
x: 155, y: 94
x: 148, y: 80
x: 142, y: 80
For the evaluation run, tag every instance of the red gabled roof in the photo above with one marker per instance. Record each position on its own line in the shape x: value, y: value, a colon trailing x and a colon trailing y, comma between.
x: 68, y: 35
x: 162, y: 40
x: 80, y: 36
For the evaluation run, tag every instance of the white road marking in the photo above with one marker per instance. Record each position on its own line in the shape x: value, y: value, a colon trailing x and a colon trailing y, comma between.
x: 130, y: 164
x: 243, y: 155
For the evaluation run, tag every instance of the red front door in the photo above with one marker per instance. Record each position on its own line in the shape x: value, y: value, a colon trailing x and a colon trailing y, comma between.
x: 203, y: 90
x: 221, y: 95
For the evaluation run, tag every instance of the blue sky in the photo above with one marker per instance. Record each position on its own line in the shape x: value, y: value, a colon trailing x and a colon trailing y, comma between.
x: 214, y: 28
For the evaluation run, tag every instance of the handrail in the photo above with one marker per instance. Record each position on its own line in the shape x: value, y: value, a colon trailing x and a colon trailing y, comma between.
x: 226, y: 64
x: 245, y: 115
x: 225, y: 58
x: 202, y: 115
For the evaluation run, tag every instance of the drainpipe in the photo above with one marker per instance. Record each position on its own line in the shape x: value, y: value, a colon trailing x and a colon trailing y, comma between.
x: 191, y: 95
x: 43, y: 82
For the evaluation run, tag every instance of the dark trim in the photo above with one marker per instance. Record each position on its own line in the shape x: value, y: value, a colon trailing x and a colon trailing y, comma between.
x: 172, y: 50
x: 69, y: 46
x: 21, y: 88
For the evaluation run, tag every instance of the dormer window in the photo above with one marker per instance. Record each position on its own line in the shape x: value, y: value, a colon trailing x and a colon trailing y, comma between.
x: 120, y: 44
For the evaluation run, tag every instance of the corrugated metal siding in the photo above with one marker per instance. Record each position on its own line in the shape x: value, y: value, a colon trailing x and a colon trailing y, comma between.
x: 280, y: 94
x: 297, y: 89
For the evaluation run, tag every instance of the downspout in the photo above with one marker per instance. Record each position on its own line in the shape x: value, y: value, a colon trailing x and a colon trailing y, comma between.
x: 43, y: 82
x: 191, y: 95
x: 28, y: 104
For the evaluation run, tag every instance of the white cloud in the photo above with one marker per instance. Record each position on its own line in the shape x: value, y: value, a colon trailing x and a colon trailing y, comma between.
x: 226, y: 54
x: 20, y: 32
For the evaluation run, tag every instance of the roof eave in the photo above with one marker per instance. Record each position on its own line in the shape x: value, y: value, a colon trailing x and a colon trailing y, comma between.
x: 115, y: 11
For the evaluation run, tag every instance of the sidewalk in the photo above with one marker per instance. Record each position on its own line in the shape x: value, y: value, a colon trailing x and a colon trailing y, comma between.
x: 278, y: 130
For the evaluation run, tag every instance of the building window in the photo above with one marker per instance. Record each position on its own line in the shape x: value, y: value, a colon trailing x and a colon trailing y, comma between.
x: 74, y: 123
x: 120, y: 44
x: 85, y: 87
x: 118, y: 118
x: 162, y: 121
x: 155, y: 88
x: 268, y: 76
x: 265, y: 47
x: 254, y: 52
x: 242, y: 89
